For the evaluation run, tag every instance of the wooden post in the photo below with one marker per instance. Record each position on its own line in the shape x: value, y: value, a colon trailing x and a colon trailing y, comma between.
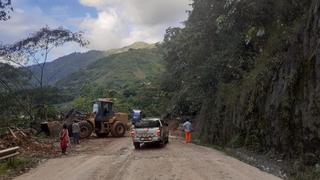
x: 12, y: 133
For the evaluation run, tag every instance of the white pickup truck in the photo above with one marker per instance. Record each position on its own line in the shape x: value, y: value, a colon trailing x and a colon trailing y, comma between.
x: 150, y: 131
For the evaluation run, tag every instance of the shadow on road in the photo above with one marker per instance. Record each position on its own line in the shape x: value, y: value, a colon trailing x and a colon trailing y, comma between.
x: 146, y: 147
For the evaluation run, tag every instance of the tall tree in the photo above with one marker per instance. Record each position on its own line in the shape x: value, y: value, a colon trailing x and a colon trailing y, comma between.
x: 5, y: 9
x: 36, y: 48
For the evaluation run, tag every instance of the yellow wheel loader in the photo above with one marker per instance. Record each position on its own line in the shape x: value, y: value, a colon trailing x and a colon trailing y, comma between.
x: 103, y: 121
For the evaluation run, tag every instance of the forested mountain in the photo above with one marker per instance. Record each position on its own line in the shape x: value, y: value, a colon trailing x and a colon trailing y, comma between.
x: 66, y: 65
x: 117, y: 71
x: 136, y: 45
x: 62, y: 67
x: 248, y: 72
x: 131, y: 76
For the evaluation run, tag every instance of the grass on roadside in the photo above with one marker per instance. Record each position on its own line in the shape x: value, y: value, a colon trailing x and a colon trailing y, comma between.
x: 20, y: 164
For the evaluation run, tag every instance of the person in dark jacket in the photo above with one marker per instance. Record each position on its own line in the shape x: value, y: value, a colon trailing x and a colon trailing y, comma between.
x: 76, y: 133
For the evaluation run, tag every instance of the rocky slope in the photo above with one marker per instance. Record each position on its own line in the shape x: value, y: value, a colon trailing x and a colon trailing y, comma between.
x: 277, y: 108
x: 247, y: 72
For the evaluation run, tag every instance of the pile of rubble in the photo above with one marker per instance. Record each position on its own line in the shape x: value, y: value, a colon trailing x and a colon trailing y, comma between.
x: 28, y: 144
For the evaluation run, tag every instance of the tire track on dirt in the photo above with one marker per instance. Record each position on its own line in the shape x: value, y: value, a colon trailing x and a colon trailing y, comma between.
x: 116, y: 159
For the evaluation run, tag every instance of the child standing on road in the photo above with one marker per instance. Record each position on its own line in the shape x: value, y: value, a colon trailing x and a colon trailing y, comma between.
x: 187, y: 129
x: 64, y: 139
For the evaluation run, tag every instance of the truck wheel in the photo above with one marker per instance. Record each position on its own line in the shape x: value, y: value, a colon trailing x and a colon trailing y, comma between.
x: 85, y: 129
x: 161, y: 144
x: 118, y: 129
x: 136, y: 145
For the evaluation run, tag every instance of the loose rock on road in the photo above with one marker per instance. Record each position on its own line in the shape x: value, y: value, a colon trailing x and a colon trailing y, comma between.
x: 116, y: 159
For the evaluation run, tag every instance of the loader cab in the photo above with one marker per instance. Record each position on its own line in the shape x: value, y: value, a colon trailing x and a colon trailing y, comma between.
x: 102, y: 108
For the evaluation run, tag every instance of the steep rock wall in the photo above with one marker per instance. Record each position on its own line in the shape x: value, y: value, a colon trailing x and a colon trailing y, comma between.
x: 281, y: 110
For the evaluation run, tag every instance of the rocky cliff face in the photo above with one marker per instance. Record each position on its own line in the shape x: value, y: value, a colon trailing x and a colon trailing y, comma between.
x: 279, y: 109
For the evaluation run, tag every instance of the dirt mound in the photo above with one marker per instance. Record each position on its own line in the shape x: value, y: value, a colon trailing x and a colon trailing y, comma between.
x: 28, y: 144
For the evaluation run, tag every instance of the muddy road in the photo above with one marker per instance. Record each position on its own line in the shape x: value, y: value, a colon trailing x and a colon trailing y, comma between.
x: 116, y: 159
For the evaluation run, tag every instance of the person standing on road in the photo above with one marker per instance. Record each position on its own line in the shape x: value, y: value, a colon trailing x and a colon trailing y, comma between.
x: 64, y: 139
x: 76, y: 133
x: 187, y: 126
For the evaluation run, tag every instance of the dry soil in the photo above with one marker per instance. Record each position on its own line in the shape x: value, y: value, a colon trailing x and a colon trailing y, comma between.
x: 116, y: 159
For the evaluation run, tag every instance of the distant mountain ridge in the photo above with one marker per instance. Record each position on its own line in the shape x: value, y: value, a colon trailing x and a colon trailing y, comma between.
x: 66, y: 65
x: 118, y: 71
x: 136, y: 45
x: 63, y: 66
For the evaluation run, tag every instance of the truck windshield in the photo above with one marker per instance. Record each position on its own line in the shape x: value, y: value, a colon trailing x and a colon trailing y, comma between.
x: 95, y: 108
x: 147, y: 124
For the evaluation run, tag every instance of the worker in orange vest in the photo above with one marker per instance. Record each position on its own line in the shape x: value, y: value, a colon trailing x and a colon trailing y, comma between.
x: 187, y: 126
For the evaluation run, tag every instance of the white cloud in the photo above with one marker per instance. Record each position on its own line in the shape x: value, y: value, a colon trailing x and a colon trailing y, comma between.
x: 118, y: 22
x: 105, y: 31
x: 151, y: 12
x: 24, y: 22
x: 145, y: 33
x: 93, y: 3
x: 121, y: 22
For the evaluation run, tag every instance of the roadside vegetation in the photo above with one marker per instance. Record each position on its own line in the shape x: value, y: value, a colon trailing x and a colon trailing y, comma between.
x: 20, y: 165
x: 246, y: 72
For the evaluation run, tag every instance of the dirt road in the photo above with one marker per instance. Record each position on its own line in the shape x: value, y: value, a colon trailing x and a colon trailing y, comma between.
x: 116, y: 159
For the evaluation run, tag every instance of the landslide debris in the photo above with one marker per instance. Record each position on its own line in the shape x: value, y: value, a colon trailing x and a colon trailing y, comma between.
x: 28, y: 143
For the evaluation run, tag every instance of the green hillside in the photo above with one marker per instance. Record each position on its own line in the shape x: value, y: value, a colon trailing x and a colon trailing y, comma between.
x: 66, y: 65
x: 118, y: 71
x: 131, y: 77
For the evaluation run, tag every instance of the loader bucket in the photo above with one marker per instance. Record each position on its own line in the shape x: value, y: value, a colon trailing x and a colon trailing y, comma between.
x: 45, y: 128
x: 51, y: 128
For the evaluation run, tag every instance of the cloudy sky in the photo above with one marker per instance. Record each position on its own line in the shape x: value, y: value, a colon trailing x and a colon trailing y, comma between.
x: 106, y: 23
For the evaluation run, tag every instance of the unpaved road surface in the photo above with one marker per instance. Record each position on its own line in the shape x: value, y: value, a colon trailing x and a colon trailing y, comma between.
x: 116, y: 159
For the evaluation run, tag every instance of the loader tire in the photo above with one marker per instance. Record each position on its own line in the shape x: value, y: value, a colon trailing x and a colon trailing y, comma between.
x: 118, y: 129
x: 85, y: 129
x: 102, y: 135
